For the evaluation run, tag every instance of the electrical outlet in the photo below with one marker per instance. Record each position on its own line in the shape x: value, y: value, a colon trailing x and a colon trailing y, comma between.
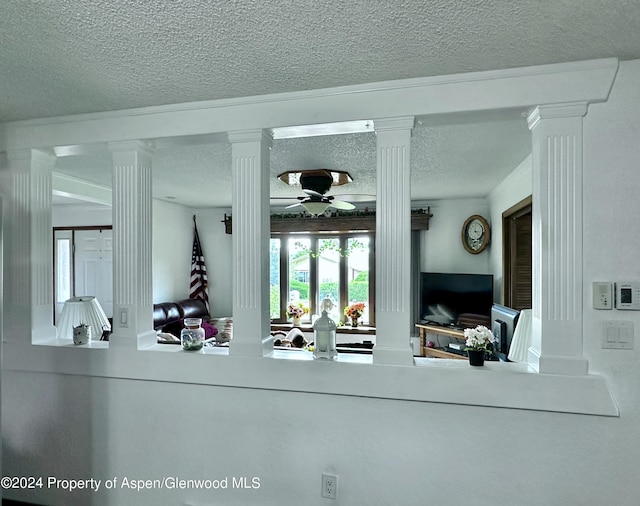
x: 329, y: 485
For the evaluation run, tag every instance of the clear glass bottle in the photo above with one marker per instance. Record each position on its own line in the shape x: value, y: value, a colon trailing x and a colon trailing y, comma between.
x: 192, y: 335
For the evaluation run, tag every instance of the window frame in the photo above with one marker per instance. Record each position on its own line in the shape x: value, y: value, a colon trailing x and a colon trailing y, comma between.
x: 313, y: 238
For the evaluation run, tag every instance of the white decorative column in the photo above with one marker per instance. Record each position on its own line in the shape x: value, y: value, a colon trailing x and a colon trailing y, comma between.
x: 393, y: 242
x: 28, y: 239
x: 557, y: 237
x: 250, y: 153
x: 132, y: 245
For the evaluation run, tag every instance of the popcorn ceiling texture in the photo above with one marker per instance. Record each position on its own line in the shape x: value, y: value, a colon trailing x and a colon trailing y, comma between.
x: 475, y: 153
x: 75, y: 56
x: 72, y: 56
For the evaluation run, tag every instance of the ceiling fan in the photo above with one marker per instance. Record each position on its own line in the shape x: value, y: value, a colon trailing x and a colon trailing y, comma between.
x: 315, y: 184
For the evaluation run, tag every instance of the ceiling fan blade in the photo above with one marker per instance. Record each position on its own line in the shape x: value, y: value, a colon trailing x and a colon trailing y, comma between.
x: 340, y: 204
x: 313, y: 193
x: 356, y: 197
x: 294, y: 205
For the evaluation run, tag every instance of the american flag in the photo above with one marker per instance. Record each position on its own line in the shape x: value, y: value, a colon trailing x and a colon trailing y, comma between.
x: 199, y: 282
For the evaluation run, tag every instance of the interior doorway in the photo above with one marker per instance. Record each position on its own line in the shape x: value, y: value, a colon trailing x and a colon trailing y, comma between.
x: 517, y: 255
x: 83, y: 265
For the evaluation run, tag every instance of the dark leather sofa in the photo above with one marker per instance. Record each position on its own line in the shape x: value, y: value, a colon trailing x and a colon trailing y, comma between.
x: 168, y: 316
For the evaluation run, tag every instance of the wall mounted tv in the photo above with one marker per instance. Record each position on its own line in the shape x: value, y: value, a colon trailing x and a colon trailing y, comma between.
x: 444, y: 297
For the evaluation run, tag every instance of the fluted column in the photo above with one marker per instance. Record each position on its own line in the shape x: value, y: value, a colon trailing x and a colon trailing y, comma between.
x: 557, y: 237
x: 393, y: 242
x: 28, y: 239
x: 132, y: 245
x: 250, y: 153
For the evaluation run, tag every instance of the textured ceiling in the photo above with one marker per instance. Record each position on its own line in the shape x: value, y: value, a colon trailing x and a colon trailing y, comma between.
x: 71, y: 56
x: 480, y: 154
x: 60, y: 57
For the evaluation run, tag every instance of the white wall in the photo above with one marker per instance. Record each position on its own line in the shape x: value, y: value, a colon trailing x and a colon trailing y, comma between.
x: 441, y: 246
x: 611, y: 241
x: 172, y: 246
x: 79, y: 215
x: 217, y: 249
x: 385, y: 452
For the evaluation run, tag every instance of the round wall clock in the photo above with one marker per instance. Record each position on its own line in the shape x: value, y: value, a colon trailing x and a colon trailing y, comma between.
x: 476, y: 234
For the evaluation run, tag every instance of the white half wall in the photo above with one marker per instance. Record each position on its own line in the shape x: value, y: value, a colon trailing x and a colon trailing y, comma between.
x: 384, y: 451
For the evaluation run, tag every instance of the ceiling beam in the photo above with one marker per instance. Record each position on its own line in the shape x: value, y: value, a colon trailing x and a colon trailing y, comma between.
x: 526, y: 87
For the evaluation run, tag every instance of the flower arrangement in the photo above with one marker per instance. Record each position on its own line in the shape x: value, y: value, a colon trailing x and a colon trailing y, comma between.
x: 297, y: 310
x: 354, y: 310
x: 480, y: 338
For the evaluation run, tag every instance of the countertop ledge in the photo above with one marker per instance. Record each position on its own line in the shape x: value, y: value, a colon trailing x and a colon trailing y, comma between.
x: 494, y: 385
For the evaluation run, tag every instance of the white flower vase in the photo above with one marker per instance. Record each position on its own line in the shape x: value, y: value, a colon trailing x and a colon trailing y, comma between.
x: 296, y: 321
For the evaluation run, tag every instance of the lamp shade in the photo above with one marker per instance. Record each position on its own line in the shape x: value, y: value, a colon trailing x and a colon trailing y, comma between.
x: 519, y: 350
x: 85, y: 309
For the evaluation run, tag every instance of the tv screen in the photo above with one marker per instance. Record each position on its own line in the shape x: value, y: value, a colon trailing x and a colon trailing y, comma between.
x: 456, y: 299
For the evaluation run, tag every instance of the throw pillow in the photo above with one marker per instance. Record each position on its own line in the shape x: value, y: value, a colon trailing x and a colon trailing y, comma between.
x: 209, y: 330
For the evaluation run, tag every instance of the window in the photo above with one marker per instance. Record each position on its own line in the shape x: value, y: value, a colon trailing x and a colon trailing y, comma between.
x: 298, y: 262
x: 274, y: 279
x: 63, y: 269
x: 306, y: 268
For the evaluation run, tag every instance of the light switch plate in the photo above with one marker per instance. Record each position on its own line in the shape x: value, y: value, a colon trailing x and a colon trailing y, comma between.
x: 618, y: 335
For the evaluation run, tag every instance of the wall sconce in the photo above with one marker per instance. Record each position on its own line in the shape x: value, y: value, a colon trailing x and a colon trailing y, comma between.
x: 85, y: 309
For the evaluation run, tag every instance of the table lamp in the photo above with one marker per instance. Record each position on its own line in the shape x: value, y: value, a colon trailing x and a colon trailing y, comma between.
x: 519, y: 349
x: 85, y: 309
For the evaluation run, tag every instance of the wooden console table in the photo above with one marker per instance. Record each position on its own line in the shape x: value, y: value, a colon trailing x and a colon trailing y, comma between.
x: 425, y: 329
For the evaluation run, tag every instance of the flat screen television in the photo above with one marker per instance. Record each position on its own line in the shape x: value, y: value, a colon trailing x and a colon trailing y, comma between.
x: 444, y: 297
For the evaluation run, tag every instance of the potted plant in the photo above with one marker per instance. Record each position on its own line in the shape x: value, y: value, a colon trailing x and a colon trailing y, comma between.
x: 479, y: 341
x: 354, y: 311
x: 296, y: 311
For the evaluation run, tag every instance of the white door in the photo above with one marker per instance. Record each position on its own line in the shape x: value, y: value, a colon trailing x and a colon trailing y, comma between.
x: 94, y: 266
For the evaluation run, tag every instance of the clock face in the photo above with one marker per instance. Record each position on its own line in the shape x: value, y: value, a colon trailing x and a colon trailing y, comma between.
x: 475, y: 230
x: 475, y: 234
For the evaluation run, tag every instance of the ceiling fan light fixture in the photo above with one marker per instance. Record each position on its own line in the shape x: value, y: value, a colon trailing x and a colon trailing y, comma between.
x: 315, y: 208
